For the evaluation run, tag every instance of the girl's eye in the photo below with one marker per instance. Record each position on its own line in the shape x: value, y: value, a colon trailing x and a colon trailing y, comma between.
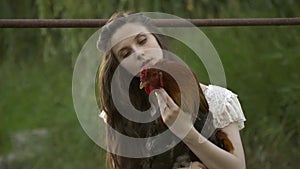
x: 125, y: 53
x: 142, y: 41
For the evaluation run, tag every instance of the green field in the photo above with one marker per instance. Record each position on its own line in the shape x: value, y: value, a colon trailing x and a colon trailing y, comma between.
x: 38, y: 124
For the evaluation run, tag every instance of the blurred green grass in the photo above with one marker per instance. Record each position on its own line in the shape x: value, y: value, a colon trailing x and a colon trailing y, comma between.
x: 37, y: 96
x: 261, y: 66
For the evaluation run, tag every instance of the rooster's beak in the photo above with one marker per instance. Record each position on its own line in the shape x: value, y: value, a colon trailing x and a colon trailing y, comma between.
x: 143, y: 84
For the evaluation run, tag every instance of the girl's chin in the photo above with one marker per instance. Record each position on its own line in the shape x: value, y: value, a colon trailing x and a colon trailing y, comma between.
x: 137, y: 75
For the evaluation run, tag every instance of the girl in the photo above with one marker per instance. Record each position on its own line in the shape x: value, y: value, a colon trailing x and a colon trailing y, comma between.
x: 129, y: 40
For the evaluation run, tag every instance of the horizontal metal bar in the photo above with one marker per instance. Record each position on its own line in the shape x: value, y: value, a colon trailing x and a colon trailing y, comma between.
x: 51, y: 23
x: 97, y: 23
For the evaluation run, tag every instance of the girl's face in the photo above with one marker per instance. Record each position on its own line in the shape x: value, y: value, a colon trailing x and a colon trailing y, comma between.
x: 134, y: 46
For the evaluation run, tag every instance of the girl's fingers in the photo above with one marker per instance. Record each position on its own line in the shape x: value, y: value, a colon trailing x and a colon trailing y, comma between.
x: 194, y: 165
x: 197, y: 164
x: 162, y: 101
x: 170, y: 102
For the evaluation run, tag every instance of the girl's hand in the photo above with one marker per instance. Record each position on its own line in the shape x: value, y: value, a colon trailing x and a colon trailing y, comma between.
x: 195, y: 165
x: 179, y: 122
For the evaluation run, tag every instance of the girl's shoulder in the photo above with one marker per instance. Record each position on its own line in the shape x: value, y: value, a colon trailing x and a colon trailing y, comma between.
x: 224, y: 106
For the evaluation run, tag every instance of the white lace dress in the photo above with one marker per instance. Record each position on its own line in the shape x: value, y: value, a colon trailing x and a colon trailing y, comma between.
x: 223, y: 104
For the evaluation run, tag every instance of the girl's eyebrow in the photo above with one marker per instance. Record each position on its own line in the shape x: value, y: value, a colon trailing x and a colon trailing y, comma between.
x: 140, y: 34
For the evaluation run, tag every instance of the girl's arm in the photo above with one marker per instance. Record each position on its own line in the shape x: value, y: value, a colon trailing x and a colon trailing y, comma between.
x: 214, y: 157
x: 211, y: 155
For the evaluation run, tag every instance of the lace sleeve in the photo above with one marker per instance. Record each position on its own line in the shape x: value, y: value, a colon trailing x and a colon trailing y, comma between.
x: 224, y: 106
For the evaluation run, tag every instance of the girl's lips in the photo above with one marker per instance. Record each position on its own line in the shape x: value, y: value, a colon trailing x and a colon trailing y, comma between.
x: 146, y: 62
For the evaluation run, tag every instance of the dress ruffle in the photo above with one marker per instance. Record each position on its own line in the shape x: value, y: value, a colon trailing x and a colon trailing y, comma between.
x: 224, y: 106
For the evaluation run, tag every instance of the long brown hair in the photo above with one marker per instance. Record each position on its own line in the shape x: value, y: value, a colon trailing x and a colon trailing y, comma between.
x: 138, y: 98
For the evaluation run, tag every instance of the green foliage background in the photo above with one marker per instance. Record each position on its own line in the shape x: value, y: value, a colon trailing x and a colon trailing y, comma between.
x: 36, y: 65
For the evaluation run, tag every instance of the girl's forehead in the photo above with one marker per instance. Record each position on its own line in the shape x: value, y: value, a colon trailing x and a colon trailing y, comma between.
x: 129, y: 30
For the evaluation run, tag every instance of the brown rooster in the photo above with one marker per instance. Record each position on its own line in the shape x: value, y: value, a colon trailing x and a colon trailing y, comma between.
x: 186, y: 97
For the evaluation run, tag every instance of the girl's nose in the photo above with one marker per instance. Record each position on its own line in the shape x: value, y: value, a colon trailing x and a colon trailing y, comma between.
x: 139, y: 52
